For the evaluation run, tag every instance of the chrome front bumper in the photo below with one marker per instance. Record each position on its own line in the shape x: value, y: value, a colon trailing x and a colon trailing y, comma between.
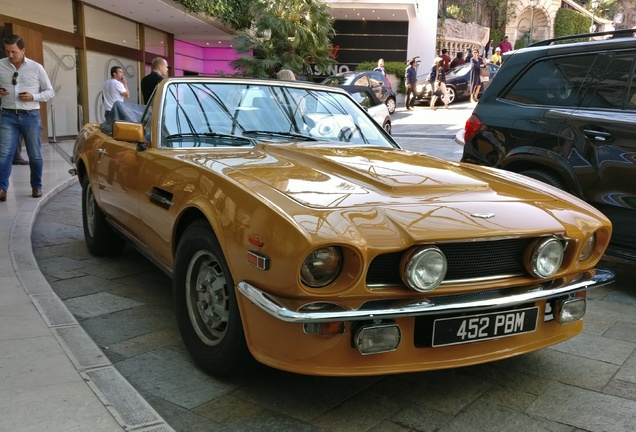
x: 391, y: 309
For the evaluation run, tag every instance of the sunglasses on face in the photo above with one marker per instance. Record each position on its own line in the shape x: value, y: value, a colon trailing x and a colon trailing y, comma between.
x: 14, y: 81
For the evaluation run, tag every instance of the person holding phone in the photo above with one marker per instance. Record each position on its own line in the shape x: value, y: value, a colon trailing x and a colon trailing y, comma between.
x: 23, y: 85
x: 115, y: 89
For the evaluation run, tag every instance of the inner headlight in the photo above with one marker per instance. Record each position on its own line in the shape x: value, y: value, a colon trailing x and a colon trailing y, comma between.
x: 588, y: 248
x: 321, y: 266
x: 547, y: 257
x: 424, y: 269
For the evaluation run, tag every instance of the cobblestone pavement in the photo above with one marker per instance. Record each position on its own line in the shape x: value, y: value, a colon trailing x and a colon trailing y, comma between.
x: 124, y: 304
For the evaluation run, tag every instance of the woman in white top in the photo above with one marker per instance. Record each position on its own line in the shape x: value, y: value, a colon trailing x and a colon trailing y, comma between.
x: 488, y: 50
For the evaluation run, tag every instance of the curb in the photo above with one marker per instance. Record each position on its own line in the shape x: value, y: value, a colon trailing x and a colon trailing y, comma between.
x: 118, y: 396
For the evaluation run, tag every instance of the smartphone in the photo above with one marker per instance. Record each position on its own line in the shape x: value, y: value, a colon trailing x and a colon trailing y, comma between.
x: 21, y: 93
x: 3, y: 89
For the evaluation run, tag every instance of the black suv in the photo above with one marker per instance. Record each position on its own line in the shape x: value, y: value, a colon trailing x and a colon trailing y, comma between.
x: 565, y: 113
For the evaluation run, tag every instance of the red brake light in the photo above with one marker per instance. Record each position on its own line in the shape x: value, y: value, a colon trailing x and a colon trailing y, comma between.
x: 473, y: 124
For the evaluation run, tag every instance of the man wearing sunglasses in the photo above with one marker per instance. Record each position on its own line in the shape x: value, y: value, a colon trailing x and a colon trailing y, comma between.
x: 23, y: 85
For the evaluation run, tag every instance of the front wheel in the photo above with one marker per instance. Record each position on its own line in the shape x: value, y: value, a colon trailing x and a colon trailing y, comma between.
x: 206, y: 306
x: 101, y: 239
x: 545, y: 177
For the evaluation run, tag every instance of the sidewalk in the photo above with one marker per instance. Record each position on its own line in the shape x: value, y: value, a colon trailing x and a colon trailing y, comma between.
x: 52, y: 375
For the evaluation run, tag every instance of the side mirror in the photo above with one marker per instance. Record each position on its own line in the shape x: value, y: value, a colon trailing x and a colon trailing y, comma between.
x: 130, y: 132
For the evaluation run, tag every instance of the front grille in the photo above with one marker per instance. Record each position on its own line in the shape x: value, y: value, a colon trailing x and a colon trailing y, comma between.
x: 470, y: 260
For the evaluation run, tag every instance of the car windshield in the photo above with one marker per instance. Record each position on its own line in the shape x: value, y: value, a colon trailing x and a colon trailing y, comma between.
x: 215, y: 113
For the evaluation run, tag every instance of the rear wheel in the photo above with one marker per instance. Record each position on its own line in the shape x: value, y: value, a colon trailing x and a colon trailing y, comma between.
x: 546, y: 177
x: 387, y: 126
x: 101, y: 239
x: 206, y: 307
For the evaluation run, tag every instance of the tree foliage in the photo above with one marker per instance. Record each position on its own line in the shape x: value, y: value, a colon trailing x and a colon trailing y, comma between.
x: 232, y: 13
x: 285, y: 35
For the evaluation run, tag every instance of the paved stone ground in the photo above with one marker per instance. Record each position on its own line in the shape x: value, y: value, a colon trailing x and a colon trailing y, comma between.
x: 124, y: 304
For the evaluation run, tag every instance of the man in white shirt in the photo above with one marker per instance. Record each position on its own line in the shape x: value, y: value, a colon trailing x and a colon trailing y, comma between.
x: 23, y: 85
x: 115, y: 89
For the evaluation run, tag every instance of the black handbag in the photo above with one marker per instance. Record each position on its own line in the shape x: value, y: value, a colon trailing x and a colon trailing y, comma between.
x: 437, y: 92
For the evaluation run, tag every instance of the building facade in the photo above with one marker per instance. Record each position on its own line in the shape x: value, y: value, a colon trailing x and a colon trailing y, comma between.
x: 82, y: 40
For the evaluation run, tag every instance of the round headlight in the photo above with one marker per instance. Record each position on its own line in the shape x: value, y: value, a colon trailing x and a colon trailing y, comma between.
x: 424, y: 269
x: 547, y: 257
x: 588, y: 248
x: 321, y: 267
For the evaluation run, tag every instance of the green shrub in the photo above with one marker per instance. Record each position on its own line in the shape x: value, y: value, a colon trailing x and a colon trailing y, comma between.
x: 569, y: 22
x: 520, y: 43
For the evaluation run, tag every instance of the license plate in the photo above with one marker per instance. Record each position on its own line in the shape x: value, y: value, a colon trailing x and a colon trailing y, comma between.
x: 453, y: 331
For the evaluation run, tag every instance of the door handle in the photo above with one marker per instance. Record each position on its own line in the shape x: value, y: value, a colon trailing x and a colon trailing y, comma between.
x: 102, y: 151
x: 596, y: 135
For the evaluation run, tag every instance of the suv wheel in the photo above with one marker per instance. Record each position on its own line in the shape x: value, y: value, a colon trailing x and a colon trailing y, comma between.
x: 390, y: 104
x: 545, y: 177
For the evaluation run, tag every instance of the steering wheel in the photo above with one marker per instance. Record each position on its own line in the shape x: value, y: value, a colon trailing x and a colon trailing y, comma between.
x: 345, y: 134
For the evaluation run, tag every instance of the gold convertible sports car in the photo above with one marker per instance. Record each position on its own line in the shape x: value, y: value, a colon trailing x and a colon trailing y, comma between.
x: 298, y: 233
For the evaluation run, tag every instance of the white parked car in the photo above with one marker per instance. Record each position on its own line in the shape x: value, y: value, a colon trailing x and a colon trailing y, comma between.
x: 374, y: 106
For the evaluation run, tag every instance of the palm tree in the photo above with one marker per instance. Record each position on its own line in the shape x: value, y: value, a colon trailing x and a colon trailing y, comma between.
x: 291, y: 34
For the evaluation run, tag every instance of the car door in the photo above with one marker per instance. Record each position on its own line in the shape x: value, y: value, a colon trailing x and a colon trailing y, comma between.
x: 605, y: 126
x: 376, y: 80
x: 534, y: 116
x: 116, y: 176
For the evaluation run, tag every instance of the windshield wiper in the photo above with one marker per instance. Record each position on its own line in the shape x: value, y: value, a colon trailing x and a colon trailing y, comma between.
x: 210, y: 134
x: 279, y: 134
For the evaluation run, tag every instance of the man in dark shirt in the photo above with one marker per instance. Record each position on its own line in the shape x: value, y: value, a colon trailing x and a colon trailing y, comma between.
x: 410, y: 79
x: 458, y: 60
x: 150, y: 81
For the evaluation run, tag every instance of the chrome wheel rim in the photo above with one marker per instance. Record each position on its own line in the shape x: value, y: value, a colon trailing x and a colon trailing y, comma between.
x: 390, y: 104
x: 207, y: 298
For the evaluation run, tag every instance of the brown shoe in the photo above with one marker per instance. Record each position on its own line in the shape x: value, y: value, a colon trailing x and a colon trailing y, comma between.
x: 3, y: 195
x: 20, y: 162
x: 36, y: 193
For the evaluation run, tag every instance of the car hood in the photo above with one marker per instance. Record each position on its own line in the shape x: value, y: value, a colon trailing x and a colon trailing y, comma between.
x: 333, y: 177
x: 394, y: 197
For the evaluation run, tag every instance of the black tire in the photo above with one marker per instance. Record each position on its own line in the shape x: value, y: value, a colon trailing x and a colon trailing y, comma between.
x: 546, y: 177
x: 101, y: 238
x: 206, y: 307
x: 387, y: 126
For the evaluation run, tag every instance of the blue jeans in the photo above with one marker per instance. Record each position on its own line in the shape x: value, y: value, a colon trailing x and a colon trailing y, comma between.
x: 11, y: 126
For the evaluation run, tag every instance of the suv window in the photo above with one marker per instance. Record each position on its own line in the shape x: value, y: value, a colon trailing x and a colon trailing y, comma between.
x: 555, y: 81
x: 616, y: 87
x: 377, y: 79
